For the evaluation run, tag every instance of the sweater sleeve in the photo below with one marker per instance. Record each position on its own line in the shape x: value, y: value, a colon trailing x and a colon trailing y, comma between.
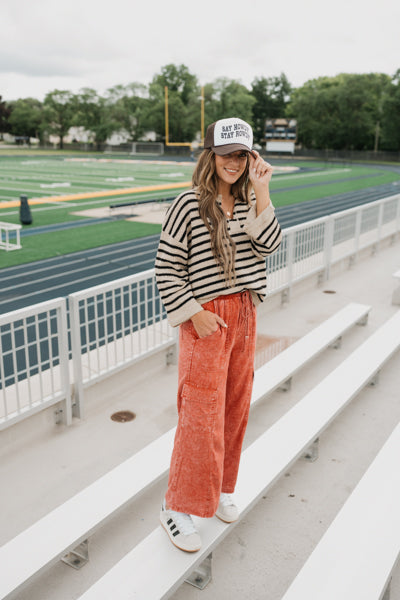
x: 171, y: 265
x: 264, y: 230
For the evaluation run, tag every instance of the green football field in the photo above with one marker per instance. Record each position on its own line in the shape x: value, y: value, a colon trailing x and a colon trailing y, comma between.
x: 59, y: 188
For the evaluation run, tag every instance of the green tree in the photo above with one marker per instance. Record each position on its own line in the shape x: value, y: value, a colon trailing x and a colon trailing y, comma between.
x: 271, y: 98
x: 26, y: 117
x: 339, y: 112
x: 390, y: 115
x: 95, y: 114
x: 229, y: 98
x: 5, y: 112
x: 179, y: 80
x: 183, y: 104
x: 59, y: 108
x: 129, y: 108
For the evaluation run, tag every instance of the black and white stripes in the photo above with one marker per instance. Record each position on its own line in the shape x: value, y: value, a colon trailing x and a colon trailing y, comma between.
x: 186, y: 271
x: 172, y: 527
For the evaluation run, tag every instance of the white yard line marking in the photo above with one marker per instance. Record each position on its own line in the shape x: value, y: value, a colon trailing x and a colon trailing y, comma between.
x: 56, y: 184
x: 313, y: 174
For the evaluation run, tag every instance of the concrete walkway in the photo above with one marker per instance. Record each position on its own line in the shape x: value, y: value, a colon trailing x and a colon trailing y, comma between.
x: 41, y: 464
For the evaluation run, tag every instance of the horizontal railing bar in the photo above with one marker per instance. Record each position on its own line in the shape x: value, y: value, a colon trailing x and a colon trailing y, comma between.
x: 30, y: 311
x: 111, y: 285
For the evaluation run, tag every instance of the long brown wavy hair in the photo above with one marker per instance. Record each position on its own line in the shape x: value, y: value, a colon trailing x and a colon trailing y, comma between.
x: 205, y: 182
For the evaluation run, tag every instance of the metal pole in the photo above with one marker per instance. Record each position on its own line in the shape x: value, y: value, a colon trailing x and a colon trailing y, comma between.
x: 166, y: 116
x: 202, y: 115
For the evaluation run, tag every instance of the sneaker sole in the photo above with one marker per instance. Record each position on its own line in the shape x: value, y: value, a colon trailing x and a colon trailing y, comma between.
x: 173, y: 541
x: 221, y: 518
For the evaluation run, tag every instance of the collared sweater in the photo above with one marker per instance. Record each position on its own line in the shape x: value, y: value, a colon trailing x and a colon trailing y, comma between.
x: 187, y: 273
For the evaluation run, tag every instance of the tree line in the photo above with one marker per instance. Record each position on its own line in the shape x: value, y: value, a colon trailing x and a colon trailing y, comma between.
x: 345, y: 112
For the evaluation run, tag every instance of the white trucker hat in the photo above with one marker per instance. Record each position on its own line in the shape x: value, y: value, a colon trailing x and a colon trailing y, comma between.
x: 229, y: 135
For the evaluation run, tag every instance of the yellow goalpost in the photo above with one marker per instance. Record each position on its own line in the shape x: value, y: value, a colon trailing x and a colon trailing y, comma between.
x: 167, y: 142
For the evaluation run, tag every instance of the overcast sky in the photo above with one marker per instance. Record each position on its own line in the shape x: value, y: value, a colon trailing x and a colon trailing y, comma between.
x: 71, y: 44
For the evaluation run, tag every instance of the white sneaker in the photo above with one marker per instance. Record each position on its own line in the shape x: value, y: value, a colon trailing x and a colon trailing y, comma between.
x: 227, y: 511
x: 180, y: 528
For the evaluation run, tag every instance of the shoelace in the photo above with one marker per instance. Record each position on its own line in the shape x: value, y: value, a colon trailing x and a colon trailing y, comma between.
x: 183, y: 521
x: 226, y: 500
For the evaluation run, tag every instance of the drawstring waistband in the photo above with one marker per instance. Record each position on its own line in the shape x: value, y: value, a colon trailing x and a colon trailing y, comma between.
x: 245, y: 312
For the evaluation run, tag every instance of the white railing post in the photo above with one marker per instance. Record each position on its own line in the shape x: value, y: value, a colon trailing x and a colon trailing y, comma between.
x: 357, y: 234
x: 398, y: 215
x: 290, y: 257
x: 62, y: 326
x: 76, y: 349
x: 379, y: 224
x: 328, y: 244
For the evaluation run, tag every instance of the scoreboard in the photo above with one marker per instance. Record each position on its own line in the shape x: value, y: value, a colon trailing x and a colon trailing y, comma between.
x: 280, y: 135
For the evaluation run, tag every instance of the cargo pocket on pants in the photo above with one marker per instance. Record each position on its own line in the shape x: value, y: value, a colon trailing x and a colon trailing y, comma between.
x: 196, y: 424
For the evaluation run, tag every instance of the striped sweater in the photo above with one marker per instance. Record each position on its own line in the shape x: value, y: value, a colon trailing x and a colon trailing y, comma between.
x: 186, y: 272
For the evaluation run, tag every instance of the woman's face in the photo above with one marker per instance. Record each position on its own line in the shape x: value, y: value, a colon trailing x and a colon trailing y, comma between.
x: 230, y: 168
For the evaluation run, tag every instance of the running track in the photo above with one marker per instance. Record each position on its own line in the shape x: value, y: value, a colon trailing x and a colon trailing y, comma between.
x: 43, y: 280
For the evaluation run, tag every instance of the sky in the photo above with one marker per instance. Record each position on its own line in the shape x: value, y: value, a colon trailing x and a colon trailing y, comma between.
x: 72, y: 44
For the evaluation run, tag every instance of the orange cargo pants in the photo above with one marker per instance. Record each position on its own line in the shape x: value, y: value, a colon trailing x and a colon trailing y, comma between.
x: 214, y: 392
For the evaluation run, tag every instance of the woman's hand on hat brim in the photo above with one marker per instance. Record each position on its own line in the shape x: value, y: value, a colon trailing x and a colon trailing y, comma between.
x: 260, y: 172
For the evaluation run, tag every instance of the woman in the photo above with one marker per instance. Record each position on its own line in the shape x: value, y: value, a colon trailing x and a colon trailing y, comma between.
x: 211, y: 273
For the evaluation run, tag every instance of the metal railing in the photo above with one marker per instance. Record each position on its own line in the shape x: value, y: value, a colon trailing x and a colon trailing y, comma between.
x: 315, y: 246
x: 115, y: 324
x: 34, y: 370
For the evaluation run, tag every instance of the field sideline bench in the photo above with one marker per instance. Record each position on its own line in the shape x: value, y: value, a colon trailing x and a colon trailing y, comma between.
x: 38, y: 547
x: 283, y: 443
x: 357, y: 554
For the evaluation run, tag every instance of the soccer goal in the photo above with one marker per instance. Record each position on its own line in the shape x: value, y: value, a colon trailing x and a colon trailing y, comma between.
x: 156, y: 148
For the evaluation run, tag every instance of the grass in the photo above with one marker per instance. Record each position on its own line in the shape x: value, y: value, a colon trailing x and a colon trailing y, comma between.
x: 46, y: 176
x: 64, y: 212
x: 48, y: 245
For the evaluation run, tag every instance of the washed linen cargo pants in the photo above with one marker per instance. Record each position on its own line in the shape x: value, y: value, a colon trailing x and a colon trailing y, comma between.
x: 214, y: 392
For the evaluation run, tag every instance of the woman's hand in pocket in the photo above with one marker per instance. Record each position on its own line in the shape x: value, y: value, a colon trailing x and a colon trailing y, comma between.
x: 206, y: 323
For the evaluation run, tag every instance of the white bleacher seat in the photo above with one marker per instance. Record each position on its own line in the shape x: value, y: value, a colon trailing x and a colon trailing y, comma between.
x: 279, y: 371
x: 67, y: 526
x: 357, y: 554
x: 283, y: 443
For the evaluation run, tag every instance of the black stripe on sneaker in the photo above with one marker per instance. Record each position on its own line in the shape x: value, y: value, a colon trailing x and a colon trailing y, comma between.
x: 176, y: 532
x: 173, y: 527
x: 169, y: 521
